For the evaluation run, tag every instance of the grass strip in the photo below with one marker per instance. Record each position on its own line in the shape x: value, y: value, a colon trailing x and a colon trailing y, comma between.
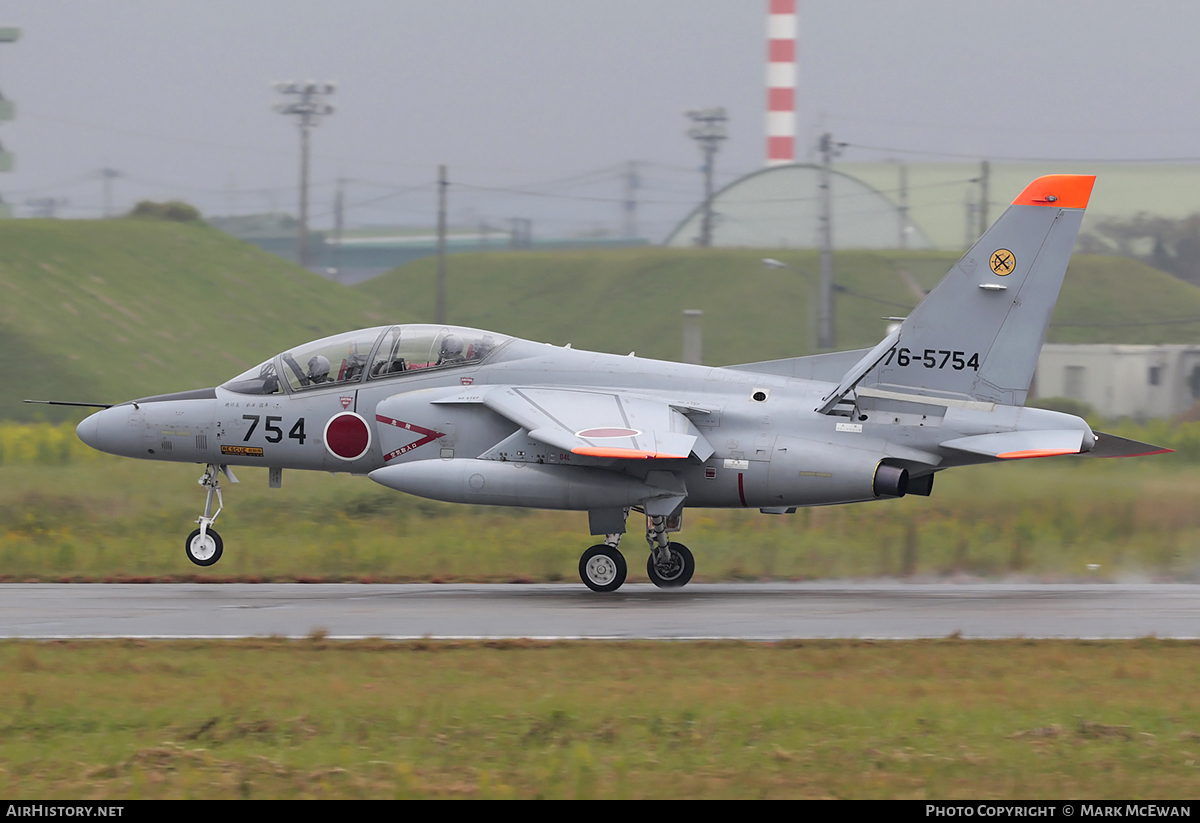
x: 124, y: 520
x: 316, y: 718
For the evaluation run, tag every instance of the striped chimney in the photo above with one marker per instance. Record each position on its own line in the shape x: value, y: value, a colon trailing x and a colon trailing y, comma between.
x: 781, y: 82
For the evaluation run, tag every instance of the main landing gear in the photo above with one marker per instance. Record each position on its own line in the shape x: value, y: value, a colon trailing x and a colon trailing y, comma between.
x: 669, y: 566
x: 204, y: 546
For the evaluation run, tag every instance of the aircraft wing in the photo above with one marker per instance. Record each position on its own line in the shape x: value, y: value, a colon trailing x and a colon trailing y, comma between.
x: 595, y: 423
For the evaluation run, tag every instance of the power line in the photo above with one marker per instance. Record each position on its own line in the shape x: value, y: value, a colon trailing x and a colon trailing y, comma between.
x: 1014, y: 159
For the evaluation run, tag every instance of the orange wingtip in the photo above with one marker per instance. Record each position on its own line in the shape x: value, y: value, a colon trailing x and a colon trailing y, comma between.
x: 1021, y: 455
x: 1065, y: 191
x: 626, y: 454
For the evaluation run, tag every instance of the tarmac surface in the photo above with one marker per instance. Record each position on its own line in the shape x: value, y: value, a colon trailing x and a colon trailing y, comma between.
x: 750, y: 611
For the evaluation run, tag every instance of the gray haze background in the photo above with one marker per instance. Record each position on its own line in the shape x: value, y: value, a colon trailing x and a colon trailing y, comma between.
x: 524, y: 94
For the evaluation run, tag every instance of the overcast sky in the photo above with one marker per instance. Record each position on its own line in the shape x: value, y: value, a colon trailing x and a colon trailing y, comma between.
x: 519, y: 94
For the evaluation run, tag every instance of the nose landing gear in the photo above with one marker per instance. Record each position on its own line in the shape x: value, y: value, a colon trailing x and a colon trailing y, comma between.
x: 204, y: 546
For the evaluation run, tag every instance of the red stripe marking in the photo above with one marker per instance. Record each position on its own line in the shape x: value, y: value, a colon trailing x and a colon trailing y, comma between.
x: 781, y: 148
x: 1139, y: 454
x: 430, y: 436
x: 783, y: 7
x: 781, y: 51
x: 741, y: 489
x: 781, y: 99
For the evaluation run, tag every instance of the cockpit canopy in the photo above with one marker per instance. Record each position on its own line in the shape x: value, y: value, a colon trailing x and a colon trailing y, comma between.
x: 368, y: 354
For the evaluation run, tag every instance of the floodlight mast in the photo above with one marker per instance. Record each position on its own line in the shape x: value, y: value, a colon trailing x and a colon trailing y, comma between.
x: 308, y: 107
x: 708, y: 132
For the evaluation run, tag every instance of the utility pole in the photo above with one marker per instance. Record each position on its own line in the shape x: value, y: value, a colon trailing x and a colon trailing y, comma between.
x: 106, y: 178
x: 439, y: 306
x: 829, y: 150
x: 984, y: 170
x: 971, y: 208
x: 632, y: 184
x: 903, y: 206
x: 522, y: 233
x: 339, y: 221
x: 693, y: 336
x: 308, y: 108
x: 708, y: 132
x: 8, y: 111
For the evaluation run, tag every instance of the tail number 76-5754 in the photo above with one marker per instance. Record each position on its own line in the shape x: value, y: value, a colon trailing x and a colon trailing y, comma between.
x: 933, y: 359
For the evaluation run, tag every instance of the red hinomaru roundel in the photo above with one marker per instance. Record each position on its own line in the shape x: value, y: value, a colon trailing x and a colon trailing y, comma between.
x: 347, y: 436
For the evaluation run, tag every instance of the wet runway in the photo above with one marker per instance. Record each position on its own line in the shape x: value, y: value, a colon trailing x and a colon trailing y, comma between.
x: 753, y: 611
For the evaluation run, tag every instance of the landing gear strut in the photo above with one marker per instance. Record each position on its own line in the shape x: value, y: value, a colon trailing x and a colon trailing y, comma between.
x: 670, y: 565
x: 204, y: 546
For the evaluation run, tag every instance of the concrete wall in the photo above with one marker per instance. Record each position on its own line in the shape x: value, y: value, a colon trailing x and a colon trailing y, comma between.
x: 1120, y: 380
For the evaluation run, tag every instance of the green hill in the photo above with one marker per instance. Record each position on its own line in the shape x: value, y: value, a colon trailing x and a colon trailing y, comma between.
x: 107, y: 310
x: 632, y: 299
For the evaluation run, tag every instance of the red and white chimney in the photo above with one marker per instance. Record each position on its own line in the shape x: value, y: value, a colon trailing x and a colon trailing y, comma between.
x: 781, y: 82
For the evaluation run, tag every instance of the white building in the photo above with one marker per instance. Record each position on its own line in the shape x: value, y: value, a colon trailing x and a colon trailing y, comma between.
x: 1120, y: 380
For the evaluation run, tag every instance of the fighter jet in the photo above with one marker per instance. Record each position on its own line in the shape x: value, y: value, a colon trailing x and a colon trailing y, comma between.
x: 470, y: 416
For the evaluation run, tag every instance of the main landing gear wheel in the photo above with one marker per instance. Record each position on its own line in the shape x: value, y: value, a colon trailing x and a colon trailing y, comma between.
x: 675, y: 571
x: 602, y: 568
x: 204, y: 551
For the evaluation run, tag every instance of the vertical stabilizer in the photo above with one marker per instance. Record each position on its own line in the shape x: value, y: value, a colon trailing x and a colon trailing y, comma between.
x: 979, y: 332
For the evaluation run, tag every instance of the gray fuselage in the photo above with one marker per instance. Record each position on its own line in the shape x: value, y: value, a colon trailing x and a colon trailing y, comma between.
x: 769, y: 447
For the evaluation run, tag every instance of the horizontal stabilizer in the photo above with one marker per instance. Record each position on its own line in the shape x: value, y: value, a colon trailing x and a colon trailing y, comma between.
x: 1109, y: 445
x: 1020, y: 444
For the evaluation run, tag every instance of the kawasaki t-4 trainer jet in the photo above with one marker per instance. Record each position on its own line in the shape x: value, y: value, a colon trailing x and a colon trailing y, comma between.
x: 469, y: 416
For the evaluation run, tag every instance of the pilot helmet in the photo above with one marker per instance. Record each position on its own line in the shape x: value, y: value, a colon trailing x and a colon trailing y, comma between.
x: 452, y: 346
x: 318, y: 367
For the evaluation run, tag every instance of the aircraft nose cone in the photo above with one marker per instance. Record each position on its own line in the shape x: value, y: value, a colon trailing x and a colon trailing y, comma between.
x: 118, y: 430
x: 89, y: 430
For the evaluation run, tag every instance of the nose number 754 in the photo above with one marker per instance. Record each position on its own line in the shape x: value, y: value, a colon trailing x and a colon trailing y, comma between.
x: 274, y: 432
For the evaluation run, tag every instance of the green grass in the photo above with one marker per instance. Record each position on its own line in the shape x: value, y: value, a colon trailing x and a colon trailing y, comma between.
x: 108, y: 310
x: 318, y: 719
x: 67, y: 513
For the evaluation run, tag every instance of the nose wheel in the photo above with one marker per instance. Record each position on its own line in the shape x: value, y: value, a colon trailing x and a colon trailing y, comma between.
x: 205, y: 548
x: 602, y: 568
